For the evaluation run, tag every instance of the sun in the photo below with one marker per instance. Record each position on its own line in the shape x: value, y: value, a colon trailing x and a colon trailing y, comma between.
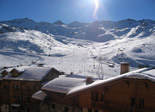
x: 96, y: 2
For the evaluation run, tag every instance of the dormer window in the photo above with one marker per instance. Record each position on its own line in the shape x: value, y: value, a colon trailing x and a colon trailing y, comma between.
x: 14, y: 73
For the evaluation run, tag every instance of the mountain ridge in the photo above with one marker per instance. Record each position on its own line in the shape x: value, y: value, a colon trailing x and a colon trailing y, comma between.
x: 96, y: 31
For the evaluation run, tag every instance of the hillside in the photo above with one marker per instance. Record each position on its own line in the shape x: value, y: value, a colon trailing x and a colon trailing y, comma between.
x: 78, y: 47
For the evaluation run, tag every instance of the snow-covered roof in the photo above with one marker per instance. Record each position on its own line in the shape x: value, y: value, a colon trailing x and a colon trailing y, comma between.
x: 72, y: 85
x: 63, y: 84
x: 20, y: 69
x: 7, y: 70
x: 40, y: 95
x: 137, y: 74
x: 31, y: 73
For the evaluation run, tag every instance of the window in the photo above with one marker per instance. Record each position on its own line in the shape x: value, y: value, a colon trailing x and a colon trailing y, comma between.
x: 89, y: 110
x: 13, y: 86
x: 15, y: 97
x: 66, y: 109
x: 133, y: 101
x: 17, y: 87
x: 28, y: 99
x: 28, y: 87
x: 28, y: 110
x: 141, y: 103
x: 53, y: 106
x: 34, y: 88
x: 95, y: 96
x: 19, y: 98
x: 4, y: 86
x: 6, y: 107
x: 102, y: 97
x: 146, y: 84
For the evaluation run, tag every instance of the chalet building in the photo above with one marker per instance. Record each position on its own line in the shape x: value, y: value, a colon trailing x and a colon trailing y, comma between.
x: 130, y: 92
x: 17, y: 85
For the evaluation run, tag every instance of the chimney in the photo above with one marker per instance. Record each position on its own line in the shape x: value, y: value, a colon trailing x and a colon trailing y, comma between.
x: 89, y: 80
x: 124, y: 67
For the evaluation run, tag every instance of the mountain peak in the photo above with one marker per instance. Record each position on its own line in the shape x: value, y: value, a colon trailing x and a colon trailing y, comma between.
x: 23, y: 20
x: 59, y: 22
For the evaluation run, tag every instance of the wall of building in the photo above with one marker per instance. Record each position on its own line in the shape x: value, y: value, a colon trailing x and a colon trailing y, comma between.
x: 122, y: 95
x: 19, y: 92
x: 55, y: 107
x: 5, y: 92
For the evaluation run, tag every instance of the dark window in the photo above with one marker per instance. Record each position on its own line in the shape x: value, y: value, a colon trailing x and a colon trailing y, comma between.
x: 6, y: 107
x: 15, y: 97
x: 141, y: 103
x: 28, y: 110
x: 28, y: 87
x: 28, y: 99
x: 13, y: 86
x: 34, y: 88
x: 95, y: 96
x: 4, y: 86
x: 89, y: 110
x: 53, y: 106
x: 66, y: 109
x: 17, y: 87
x: 102, y: 97
x: 146, y: 85
x: 133, y: 101
x: 19, y: 98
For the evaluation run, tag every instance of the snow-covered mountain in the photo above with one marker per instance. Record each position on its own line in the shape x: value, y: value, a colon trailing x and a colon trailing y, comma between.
x: 100, y: 31
x: 78, y: 47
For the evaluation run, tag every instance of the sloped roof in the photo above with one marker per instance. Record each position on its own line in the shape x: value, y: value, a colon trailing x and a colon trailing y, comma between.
x: 30, y: 73
x: 145, y: 73
x: 70, y: 86
x: 39, y: 95
x: 63, y: 84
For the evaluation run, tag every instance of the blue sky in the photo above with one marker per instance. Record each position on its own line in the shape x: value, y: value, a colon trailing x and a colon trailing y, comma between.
x: 76, y: 10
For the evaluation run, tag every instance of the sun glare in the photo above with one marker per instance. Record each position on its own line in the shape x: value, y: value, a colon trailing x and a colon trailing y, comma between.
x: 96, y: 2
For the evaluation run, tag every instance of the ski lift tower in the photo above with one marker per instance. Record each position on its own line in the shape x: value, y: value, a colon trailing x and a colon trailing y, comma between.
x: 100, y: 69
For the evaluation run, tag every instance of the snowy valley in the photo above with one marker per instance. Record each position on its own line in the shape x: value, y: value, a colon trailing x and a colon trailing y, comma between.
x: 81, y: 48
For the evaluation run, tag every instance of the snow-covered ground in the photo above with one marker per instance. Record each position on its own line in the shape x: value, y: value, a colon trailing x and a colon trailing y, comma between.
x: 82, y: 57
x: 88, y: 49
